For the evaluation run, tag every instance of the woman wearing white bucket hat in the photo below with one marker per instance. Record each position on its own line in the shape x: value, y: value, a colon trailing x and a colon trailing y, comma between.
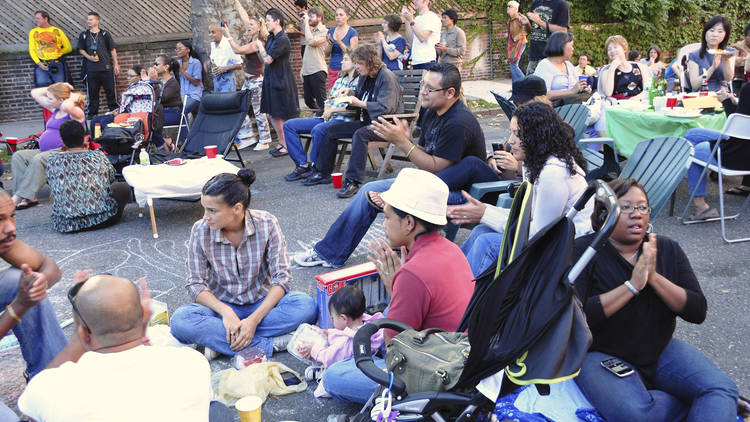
x: 430, y: 285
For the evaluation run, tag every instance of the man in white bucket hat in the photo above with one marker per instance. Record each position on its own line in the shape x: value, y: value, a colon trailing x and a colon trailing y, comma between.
x: 430, y: 285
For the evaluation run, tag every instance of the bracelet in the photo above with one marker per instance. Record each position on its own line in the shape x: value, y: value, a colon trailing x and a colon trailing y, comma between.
x: 631, y: 288
x: 410, y: 150
x: 12, y: 313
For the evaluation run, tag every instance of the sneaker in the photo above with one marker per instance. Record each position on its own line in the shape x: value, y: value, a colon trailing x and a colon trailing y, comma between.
x: 261, y: 147
x: 280, y: 342
x: 310, y: 259
x: 210, y: 354
x: 300, y: 172
x: 317, y: 178
x: 314, y: 373
x: 349, y: 189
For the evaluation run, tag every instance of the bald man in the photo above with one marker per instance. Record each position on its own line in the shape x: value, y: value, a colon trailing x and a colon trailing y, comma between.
x: 119, y: 376
x: 223, y: 61
x: 23, y: 288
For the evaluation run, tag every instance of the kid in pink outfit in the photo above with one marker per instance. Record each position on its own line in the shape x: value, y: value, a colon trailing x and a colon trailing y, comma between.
x: 347, y: 307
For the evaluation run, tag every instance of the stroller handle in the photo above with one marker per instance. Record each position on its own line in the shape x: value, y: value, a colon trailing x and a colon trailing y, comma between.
x: 363, y: 353
x: 607, y: 197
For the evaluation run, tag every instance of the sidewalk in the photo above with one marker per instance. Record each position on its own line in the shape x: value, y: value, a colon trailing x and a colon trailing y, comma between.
x: 21, y: 129
x: 474, y: 90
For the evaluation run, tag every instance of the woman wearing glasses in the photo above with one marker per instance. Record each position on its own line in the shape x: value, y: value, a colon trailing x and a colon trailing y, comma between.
x: 633, y: 290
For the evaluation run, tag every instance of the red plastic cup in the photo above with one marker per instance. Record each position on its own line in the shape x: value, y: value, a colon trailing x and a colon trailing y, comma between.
x: 338, y: 180
x: 210, y: 151
x: 671, y: 102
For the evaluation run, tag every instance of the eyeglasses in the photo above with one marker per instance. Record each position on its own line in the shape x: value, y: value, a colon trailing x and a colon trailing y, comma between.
x: 431, y: 90
x: 642, y: 209
x: 71, y: 297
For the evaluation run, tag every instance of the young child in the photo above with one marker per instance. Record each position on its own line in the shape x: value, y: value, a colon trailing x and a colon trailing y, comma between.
x: 347, y: 307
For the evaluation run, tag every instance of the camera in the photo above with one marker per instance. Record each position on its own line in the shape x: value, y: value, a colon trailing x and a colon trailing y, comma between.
x: 301, y: 14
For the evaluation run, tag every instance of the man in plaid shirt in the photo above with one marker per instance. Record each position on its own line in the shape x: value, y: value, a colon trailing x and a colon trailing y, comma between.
x: 238, y: 276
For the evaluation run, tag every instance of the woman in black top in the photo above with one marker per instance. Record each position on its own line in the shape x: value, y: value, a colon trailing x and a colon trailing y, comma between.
x: 632, y: 292
x: 279, y: 95
x: 171, y: 102
x: 735, y: 153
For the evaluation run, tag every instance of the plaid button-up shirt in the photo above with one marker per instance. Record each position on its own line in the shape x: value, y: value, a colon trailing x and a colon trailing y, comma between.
x: 244, y: 275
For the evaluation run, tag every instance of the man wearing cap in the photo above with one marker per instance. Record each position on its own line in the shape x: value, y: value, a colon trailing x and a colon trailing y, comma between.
x: 109, y: 372
x: 450, y: 132
x: 430, y: 286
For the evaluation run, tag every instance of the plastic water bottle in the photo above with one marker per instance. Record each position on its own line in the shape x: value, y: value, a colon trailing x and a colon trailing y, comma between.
x: 143, y: 157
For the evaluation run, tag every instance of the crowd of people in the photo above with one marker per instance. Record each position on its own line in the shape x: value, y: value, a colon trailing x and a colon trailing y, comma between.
x: 238, y: 269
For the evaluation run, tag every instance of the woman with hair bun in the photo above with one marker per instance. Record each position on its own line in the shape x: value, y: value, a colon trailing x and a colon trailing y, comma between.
x: 238, y: 276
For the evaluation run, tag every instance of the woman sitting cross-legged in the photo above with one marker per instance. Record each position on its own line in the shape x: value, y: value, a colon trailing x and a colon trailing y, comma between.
x: 552, y: 163
x: 28, y: 165
x: 84, y: 196
x: 633, y: 289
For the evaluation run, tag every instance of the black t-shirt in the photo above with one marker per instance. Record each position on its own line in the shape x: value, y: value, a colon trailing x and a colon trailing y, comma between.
x: 102, y: 43
x: 640, y: 330
x: 555, y: 12
x: 454, y: 135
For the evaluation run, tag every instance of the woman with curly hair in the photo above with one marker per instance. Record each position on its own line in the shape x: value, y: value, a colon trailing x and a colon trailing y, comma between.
x: 556, y: 169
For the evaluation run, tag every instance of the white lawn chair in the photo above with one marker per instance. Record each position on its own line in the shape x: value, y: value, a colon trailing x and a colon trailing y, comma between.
x: 736, y: 126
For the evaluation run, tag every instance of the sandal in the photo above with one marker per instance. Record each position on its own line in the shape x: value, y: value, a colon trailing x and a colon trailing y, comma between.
x: 740, y: 190
x: 374, y: 199
x: 26, y: 204
x: 708, y: 213
x: 278, y: 152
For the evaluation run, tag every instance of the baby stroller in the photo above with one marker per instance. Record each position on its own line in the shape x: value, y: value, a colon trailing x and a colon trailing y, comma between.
x: 526, y: 320
x: 139, y: 111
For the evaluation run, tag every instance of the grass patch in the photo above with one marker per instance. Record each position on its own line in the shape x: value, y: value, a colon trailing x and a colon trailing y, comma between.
x: 480, y: 104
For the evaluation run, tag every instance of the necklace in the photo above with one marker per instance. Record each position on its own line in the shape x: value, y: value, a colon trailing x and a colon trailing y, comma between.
x: 633, y: 257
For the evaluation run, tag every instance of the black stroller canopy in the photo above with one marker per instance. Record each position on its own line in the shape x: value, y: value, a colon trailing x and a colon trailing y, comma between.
x: 528, y: 320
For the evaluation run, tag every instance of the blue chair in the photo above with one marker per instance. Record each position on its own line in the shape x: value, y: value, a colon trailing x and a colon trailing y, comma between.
x: 659, y: 164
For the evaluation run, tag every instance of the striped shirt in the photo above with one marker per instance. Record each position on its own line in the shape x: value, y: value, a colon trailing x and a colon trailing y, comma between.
x: 239, y: 276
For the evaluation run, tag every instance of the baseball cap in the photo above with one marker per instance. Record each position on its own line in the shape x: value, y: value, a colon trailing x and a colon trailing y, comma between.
x: 528, y: 87
x: 419, y: 193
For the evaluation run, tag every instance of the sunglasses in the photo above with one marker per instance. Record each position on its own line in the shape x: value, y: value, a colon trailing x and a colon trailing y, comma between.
x: 71, y: 297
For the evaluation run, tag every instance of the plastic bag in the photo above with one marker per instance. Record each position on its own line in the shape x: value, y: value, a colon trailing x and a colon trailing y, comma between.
x: 309, y: 334
x: 260, y: 379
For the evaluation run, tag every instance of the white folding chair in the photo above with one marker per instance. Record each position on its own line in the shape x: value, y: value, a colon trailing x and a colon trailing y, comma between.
x: 737, y: 126
x: 183, y: 123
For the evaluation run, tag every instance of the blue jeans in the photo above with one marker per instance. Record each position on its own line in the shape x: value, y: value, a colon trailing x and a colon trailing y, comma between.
x: 345, y: 382
x: 687, y: 386
x: 482, y: 248
x: 351, y: 226
x: 423, y: 65
x: 39, y: 334
x: 56, y: 73
x: 225, y: 82
x: 701, y: 140
x: 197, y: 324
x: 471, y: 169
x: 191, y: 105
x: 315, y: 126
x: 515, y: 72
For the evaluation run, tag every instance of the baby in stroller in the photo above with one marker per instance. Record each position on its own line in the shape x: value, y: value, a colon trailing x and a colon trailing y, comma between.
x: 347, y: 308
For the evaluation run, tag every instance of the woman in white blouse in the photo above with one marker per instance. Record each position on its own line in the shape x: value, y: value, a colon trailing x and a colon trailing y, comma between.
x: 552, y: 163
x: 563, y: 84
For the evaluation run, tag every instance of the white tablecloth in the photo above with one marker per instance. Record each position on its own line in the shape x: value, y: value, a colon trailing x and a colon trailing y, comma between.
x: 164, y: 181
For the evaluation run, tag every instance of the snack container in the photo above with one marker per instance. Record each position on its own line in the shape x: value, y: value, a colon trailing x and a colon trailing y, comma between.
x: 248, y: 356
x: 159, y: 313
x: 363, y: 276
x: 309, y: 334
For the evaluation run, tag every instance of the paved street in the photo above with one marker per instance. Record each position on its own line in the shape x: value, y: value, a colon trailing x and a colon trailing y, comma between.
x: 305, y: 213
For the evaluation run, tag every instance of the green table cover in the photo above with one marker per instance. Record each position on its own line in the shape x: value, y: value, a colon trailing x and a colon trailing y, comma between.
x: 628, y: 127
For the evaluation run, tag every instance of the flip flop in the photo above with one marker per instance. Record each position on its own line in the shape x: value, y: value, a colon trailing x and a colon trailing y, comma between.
x: 739, y: 191
x: 706, y: 214
x: 26, y: 204
x: 279, y: 152
x: 372, y: 202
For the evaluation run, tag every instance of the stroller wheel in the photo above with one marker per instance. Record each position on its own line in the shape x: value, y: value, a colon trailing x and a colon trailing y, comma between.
x: 338, y: 418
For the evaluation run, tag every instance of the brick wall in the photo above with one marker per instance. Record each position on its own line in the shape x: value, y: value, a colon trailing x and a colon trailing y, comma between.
x: 16, y: 70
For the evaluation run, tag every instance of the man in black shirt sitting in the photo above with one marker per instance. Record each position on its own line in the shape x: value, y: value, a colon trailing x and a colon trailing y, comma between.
x: 450, y: 132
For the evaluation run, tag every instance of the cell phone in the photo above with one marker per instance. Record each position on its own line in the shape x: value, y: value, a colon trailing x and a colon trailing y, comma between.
x: 617, y: 367
x: 223, y: 24
x: 290, y: 379
x: 497, y: 146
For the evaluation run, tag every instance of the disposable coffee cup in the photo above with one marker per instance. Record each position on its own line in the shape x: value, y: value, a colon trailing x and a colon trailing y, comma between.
x: 11, y: 142
x: 497, y: 146
x: 210, y: 151
x: 338, y: 179
x: 249, y: 408
x: 583, y: 78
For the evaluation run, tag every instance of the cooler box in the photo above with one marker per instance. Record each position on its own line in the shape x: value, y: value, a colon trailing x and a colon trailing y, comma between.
x: 362, y: 276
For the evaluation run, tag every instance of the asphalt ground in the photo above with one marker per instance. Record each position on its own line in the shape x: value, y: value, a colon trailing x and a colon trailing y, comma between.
x: 305, y: 213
